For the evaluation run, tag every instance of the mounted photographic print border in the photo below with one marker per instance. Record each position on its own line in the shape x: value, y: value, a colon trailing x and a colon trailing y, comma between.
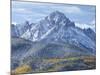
x: 52, y: 37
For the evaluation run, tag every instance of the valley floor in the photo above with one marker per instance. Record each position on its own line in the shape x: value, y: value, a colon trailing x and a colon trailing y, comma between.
x: 56, y: 64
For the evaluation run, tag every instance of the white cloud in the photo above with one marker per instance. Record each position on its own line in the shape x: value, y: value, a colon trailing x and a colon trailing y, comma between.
x: 64, y: 8
x: 85, y: 26
x: 21, y: 10
x: 14, y: 23
x: 73, y: 9
x: 67, y: 9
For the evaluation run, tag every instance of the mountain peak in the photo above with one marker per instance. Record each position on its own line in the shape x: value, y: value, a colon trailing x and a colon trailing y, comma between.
x: 57, y: 13
x: 57, y: 17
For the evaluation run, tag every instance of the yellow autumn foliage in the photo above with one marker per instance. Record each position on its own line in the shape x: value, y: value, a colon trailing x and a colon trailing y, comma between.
x: 23, y: 69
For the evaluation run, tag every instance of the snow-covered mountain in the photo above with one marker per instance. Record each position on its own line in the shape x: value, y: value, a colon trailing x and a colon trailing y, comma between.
x: 20, y: 29
x: 41, y: 30
x: 57, y: 28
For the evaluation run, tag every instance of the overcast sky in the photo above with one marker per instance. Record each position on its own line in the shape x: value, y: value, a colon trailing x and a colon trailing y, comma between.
x: 33, y: 12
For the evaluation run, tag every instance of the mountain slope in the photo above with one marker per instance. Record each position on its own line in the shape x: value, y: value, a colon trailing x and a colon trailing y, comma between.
x: 90, y: 33
x: 58, y: 28
x: 14, y: 31
x: 25, y: 51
